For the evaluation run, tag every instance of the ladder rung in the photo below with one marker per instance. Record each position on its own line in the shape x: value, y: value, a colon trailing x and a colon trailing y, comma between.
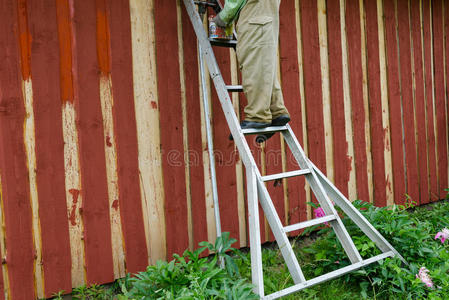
x: 286, y: 175
x: 309, y: 223
x: 234, y: 88
x: 329, y: 276
x: 264, y: 130
x: 223, y: 43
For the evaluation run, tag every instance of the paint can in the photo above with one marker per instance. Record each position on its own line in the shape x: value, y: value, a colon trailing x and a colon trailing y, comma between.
x: 216, y: 32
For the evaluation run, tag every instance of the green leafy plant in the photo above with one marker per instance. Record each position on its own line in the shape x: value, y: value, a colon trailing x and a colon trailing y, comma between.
x: 191, y: 276
x: 411, y: 231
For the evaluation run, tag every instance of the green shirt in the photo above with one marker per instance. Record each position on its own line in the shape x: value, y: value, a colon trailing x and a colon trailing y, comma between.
x: 231, y: 10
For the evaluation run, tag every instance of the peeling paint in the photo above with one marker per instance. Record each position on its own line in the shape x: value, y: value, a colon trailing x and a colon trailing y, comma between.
x: 75, y: 194
x: 115, y: 204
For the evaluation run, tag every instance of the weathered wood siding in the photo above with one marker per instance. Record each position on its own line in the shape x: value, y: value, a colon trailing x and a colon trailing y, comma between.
x: 103, y: 154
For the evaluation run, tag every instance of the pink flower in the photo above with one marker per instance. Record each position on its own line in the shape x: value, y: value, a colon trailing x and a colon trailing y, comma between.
x: 424, y: 277
x: 442, y: 235
x: 319, y: 212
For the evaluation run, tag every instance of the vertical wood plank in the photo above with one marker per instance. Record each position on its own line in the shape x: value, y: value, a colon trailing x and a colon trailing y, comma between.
x: 224, y: 158
x: 109, y: 138
x: 375, y: 104
x: 169, y: 90
x: 405, y: 53
x: 385, y: 105
x: 193, y: 105
x: 446, y: 59
x: 428, y: 73
x: 353, y: 36
x: 440, y: 97
x: 94, y: 182
x: 367, y: 125
x: 184, y: 123
x: 420, y: 109
x: 394, y: 92
x: 51, y: 74
x: 288, y: 51
x: 71, y: 149
x: 30, y: 139
x: 129, y: 201
x: 15, y: 194
x: 352, y: 183
x: 312, y: 83
x: 148, y: 129
x: 324, y: 62
x: 4, y: 280
x: 342, y: 162
x: 242, y: 215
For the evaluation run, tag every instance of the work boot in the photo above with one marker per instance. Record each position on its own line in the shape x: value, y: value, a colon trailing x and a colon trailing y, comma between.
x: 251, y: 124
x: 279, y: 121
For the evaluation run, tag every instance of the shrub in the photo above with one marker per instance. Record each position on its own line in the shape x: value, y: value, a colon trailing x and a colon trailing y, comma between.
x: 191, y: 277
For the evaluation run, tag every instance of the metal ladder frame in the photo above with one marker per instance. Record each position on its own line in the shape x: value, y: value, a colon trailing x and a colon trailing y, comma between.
x: 257, y: 191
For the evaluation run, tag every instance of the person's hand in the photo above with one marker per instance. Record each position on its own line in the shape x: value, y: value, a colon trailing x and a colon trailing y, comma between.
x: 219, y: 22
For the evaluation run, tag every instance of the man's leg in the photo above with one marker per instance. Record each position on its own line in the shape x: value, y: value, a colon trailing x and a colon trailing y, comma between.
x: 277, y: 106
x: 256, y: 52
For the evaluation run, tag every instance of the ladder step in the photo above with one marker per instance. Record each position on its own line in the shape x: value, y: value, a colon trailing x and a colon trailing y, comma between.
x: 309, y: 223
x: 223, y: 43
x: 234, y: 88
x: 264, y: 130
x: 286, y: 175
x: 328, y: 276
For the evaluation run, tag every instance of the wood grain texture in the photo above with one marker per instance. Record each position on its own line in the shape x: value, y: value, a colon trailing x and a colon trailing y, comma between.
x: 312, y: 83
x: 15, y: 194
x: 297, y: 208
x: 94, y: 182
x: 193, y: 106
x: 420, y: 101
x: 394, y: 93
x: 440, y: 97
x: 169, y: 90
x: 129, y: 201
x: 429, y: 96
x: 51, y: 75
x: 353, y: 36
x: 405, y: 53
x: 342, y: 163
x: 375, y: 104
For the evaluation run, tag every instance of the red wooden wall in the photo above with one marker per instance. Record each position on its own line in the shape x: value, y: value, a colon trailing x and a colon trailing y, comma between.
x: 103, y: 154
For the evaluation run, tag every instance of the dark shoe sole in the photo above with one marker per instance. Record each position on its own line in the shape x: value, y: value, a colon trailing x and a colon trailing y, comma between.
x: 282, y: 120
x: 250, y: 124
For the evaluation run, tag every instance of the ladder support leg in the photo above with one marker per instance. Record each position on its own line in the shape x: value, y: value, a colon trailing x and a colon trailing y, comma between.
x: 345, y: 205
x: 337, y: 225
x: 279, y: 234
x: 254, y: 233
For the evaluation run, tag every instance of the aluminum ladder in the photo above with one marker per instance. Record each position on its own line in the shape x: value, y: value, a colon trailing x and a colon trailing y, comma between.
x: 323, y: 189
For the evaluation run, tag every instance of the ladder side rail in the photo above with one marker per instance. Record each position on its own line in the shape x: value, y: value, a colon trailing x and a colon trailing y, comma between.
x: 210, y: 145
x: 340, y: 230
x: 254, y: 232
x: 220, y: 87
x: 279, y: 233
x: 353, y: 213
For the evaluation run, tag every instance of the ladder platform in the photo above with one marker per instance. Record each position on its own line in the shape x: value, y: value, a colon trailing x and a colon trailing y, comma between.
x: 264, y: 130
x: 234, y: 88
x: 309, y: 223
x: 286, y: 175
x: 223, y: 43
x: 328, y: 276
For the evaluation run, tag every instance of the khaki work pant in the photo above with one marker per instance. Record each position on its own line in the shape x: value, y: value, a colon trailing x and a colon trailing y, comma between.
x: 258, y: 34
